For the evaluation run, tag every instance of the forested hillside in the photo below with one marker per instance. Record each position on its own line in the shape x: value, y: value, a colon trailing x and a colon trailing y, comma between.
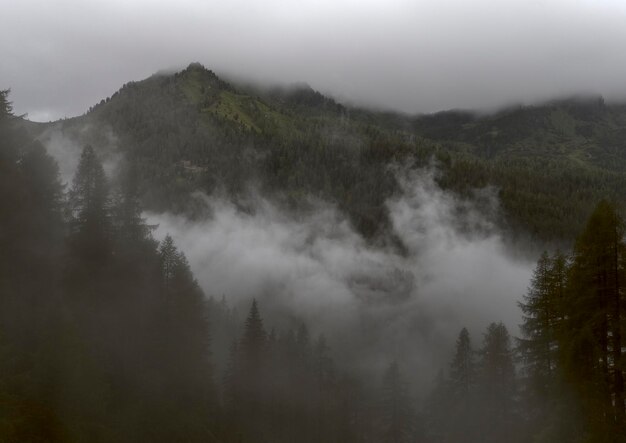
x: 106, y: 335
x: 193, y: 131
x: 552, y: 162
x: 103, y: 332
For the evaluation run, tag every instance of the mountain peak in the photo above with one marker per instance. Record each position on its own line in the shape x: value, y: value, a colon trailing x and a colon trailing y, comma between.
x: 196, y: 66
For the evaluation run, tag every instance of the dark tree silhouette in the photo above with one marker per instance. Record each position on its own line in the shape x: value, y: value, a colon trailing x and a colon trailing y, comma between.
x: 397, y: 414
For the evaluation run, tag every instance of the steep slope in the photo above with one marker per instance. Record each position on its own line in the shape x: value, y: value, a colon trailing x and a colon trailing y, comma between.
x: 192, y: 131
x: 552, y: 163
x: 583, y: 130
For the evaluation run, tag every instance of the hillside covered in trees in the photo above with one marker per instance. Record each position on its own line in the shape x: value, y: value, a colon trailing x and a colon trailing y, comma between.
x: 105, y: 334
x: 188, y: 131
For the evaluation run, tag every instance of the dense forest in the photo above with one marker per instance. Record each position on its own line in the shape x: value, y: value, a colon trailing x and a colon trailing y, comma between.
x: 105, y: 334
x: 191, y: 130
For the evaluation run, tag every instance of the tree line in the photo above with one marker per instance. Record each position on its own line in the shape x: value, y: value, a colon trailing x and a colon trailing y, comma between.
x: 574, y: 320
x: 562, y: 380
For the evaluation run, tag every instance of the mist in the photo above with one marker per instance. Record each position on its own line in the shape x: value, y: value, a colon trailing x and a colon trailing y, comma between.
x: 65, y: 143
x: 413, y: 57
x: 378, y: 304
x: 249, y: 222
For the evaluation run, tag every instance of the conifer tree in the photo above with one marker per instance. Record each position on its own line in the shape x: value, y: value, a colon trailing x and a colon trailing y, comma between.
x: 254, y: 339
x: 595, y: 319
x: 129, y: 223
x: 89, y: 200
x: 11, y: 197
x: 539, y: 346
x: 462, y: 370
x: 177, y: 279
x: 397, y: 414
x: 541, y: 316
x: 38, y: 232
x: 437, y: 410
x: 182, y: 332
x: 6, y: 109
x: 251, y: 377
x: 497, y: 385
x: 90, y: 210
x: 458, y: 394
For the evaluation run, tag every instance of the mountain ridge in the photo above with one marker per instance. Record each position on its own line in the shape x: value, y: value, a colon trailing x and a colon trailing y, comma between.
x: 192, y: 130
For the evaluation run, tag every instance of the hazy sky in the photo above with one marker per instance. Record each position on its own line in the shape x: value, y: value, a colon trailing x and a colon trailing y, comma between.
x: 60, y: 57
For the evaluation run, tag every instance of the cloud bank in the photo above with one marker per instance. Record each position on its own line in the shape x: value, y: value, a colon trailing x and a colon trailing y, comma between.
x: 62, y: 57
x: 375, y: 303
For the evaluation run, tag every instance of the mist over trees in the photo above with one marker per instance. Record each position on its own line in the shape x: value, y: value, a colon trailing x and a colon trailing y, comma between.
x: 192, y: 131
x: 105, y: 334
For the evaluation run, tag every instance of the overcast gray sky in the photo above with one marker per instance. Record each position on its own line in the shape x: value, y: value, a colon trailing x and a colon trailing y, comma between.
x: 60, y: 57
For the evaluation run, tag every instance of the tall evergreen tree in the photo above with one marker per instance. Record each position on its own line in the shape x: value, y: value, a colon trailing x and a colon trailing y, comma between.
x: 437, y: 410
x: 6, y: 108
x: 397, y: 413
x: 89, y: 207
x: 498, y: 386
x: 249, y: 380
x: 10, y: 199
x: 542, y: 316
x: 253, y: 342
x: 595, y: 319
x: 177, y: 281
x: 130, y: 225
x: 89, y: 200
x: 182, y: 356
x: 460, y: 395
x: 462, y: 368
x: 539, y: 346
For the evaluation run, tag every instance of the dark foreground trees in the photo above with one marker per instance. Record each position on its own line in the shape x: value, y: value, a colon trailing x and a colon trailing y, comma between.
x: 105, y: 336
x: 97, y: 343
x: 479, y: 400
x: 283, y: 387
x: 572, y: 345
x: 398, y: 419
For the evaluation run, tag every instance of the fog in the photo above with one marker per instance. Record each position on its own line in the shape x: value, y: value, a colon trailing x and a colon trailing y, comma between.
x: 311, y: 281
x: 60, y: 58
x: 64, y: 146
x: 376, y: 303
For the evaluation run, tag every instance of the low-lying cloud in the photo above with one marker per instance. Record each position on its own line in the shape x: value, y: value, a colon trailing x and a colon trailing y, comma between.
x: 62, y: 57
x: 376, y: 304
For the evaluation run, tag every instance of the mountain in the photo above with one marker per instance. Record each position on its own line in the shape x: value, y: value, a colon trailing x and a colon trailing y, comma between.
x: 584, y: 130
x: 106, y: 335
x: 191, y: 131
x: 551, y: 162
